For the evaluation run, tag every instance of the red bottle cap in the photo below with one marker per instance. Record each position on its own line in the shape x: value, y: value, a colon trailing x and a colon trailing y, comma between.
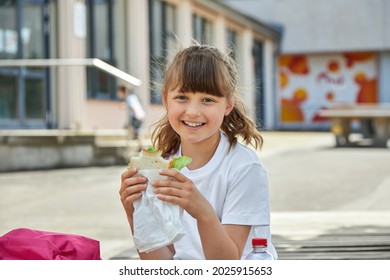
x: 259, y: 242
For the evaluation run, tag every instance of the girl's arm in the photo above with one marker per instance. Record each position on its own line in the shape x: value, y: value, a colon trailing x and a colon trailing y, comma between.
x: 222, y: 241
x: 218, y: 241
x: 165, y: 253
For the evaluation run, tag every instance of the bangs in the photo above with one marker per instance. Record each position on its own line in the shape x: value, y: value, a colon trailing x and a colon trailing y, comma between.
x: 200, y: 73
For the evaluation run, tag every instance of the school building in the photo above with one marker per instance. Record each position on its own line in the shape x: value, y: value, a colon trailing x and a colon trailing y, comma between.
x: 62, y: 60
x: 331, y: 52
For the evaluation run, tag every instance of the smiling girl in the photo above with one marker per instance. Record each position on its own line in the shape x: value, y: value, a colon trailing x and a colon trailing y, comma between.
x: 224, y: 190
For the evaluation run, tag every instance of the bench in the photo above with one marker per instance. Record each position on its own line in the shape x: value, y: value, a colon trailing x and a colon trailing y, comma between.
x: 341, y: 117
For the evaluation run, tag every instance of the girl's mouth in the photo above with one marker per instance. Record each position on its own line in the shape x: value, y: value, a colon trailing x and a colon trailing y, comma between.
x: 193, y: 124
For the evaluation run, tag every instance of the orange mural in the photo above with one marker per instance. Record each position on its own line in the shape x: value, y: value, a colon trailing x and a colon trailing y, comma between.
x: 333, y: 66
x: 291, y: 108
x: 367, y: 89
x: 283, y: 79
x: 317, y: 81
x: 352, y: 58
x: 330, y: 96
x: 296, y: 64
x: 329, y: 75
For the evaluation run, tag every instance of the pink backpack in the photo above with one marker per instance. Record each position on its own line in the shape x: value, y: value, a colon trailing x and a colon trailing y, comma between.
x: 29, y: 244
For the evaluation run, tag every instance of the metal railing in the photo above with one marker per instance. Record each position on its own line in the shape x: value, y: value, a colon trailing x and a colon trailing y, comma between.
x: 94, y: 62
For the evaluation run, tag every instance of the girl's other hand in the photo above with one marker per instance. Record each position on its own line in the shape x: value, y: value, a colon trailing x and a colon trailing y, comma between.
x: 131, y: 187
x: 182, y: 191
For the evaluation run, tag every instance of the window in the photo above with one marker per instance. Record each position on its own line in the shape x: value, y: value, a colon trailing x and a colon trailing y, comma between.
x: 24, y: 91
x: 232, y: 42
x: 100, y: 44
x: 9, y: 40
x: 201, y: 29
x: 162, y: 22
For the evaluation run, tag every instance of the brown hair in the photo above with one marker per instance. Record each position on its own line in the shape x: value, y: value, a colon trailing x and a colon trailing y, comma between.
x: 203, y: 68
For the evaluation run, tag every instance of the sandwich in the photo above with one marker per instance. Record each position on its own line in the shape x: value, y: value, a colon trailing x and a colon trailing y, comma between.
x: 150, y: 158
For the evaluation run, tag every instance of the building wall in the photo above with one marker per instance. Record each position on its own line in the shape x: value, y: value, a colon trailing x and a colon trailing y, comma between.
x: 115, y: 112
x: 324, y: 26
x: 138, y: 42
x: 71, y: 85
x: 309, y: 83
x: 384, y: 81
x: 76, y: 111
x: 329, y: 30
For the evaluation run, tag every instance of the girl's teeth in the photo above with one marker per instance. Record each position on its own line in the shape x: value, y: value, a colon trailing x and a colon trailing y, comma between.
x: 193, y: 124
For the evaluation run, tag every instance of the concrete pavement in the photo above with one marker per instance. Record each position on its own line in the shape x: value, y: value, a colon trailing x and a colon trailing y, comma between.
x: 316, y: 190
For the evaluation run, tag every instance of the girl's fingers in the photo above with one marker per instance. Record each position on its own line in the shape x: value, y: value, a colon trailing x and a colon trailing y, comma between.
x: 131, y: 194
x: 128, y: 191
x: 170, y: 199
x: 130, y: 181
x: 168, y: 191
x: 129, y: 200
x: 131, y: 187
x: 128, y: 173
x: 167, y: 184
x: 173, y: 173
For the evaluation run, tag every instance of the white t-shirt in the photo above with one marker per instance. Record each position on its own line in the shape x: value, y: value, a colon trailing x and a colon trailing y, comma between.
x: 236, y: 185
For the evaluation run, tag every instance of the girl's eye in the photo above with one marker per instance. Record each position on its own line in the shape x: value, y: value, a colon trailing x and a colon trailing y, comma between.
x: 181, y: 98
x: 208, y: 100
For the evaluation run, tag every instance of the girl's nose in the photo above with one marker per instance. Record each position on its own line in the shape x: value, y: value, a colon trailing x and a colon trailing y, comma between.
x: 192, y: 110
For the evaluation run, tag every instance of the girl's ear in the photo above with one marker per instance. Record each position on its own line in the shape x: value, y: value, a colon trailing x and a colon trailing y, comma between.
x: 229, y: 107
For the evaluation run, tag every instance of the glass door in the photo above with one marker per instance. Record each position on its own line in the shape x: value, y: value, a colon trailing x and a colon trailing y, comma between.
x: 24, y: 94
x: 8, y: 99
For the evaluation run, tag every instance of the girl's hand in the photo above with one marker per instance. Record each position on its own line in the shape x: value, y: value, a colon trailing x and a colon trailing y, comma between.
x: 182, y: 191
x: 131, y: 189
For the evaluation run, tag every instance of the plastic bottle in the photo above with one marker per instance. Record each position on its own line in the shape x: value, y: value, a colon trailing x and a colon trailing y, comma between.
x: 259, y: 251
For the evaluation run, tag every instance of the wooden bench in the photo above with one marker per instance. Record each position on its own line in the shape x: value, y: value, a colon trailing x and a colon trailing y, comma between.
x: 365, y: 243
x: 341, y: 117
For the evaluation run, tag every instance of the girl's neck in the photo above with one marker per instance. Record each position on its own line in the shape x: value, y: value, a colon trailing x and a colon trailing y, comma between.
x: 201, y: 153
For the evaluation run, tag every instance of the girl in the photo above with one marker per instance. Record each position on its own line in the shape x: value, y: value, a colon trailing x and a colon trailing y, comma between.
x: 224, y: 190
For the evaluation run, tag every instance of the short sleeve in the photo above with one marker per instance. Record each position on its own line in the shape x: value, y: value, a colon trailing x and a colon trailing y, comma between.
x: 247, y: 198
